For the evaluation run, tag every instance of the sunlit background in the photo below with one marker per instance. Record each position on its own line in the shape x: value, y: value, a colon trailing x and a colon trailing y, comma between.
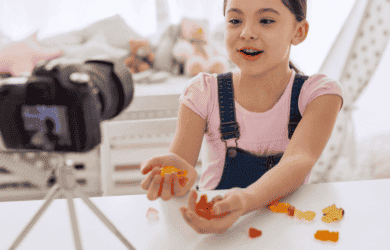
x: 20, y: 18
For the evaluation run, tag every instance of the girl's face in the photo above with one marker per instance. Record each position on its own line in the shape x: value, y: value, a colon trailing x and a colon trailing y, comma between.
x: 262, y: 25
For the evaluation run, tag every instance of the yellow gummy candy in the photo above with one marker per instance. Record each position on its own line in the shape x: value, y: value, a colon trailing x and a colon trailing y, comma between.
x: 332, y: 213
x: 308, y: 215
x: 172, y: 169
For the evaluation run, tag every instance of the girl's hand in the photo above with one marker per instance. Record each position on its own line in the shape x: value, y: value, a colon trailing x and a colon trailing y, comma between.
x: 232, y: 202
x: 170, y: 184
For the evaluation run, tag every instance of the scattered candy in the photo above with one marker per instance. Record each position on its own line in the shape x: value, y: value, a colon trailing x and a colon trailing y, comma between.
x: 290, y: 211
x: 254, y: 233
x: 152, y: 214
x: 332, y: 213
x: 325, y: 235
x: 308, y: 215
x: 279, y: 207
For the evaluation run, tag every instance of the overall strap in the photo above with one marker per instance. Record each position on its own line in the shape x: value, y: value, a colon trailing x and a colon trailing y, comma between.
x: 295, y: 115
x: 229, y: 127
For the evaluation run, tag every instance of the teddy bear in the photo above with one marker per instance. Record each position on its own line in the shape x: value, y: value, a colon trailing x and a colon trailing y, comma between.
x: 194, y: 51
x: 141, y: 57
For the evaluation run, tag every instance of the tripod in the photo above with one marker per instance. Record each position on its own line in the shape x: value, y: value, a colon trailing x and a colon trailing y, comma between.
x: 66, y: 185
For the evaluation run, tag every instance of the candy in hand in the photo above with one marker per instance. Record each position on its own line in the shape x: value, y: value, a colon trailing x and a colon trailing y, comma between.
x: 179, y: 172
x: 205, y: 209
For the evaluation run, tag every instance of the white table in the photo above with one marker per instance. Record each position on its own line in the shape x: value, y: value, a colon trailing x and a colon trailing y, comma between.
x: 366, y: 224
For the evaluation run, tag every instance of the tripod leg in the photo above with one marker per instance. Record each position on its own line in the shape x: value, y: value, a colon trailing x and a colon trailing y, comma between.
x: 72, y: 213
x: 103, y: 218
x: 53, y: 193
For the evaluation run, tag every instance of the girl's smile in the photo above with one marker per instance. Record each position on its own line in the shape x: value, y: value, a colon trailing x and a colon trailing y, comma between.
x: 249, y: 57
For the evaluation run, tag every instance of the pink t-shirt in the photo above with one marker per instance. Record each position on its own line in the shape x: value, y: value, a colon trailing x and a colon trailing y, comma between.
x: 260, y: 133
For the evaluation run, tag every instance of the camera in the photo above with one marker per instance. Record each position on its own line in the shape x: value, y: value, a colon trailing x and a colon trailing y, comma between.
x: 59, y: 108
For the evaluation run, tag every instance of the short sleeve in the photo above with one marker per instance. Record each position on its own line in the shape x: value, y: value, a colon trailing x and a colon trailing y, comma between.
x: 196, y: 95
x: 318, y: 85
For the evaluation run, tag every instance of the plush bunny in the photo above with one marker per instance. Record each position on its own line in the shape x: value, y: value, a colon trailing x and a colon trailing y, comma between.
x: 194, y: 51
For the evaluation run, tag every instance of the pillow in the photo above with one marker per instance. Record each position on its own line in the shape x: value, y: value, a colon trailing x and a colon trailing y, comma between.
x: 95, y: 48
x: 19, y: 57
x: 66, y: 39
x: 114, y: 29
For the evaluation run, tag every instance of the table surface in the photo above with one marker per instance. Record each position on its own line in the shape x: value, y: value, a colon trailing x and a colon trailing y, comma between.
x: 364, y: 226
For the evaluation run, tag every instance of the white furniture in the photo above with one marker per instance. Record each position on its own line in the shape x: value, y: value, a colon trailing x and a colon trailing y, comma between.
x: 15, y: 187
x: 364, y: 225
x: 144, y: 130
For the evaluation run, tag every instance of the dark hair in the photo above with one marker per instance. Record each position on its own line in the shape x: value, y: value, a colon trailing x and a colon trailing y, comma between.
x: 297, y: 7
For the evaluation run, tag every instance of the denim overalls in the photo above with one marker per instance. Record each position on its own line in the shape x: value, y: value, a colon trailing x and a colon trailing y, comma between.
x: 242, y: 168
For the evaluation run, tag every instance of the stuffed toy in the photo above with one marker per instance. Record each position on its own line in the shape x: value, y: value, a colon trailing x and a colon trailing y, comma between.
x: 21, y: 57
x: 141, y: 56
x: 195, y: 52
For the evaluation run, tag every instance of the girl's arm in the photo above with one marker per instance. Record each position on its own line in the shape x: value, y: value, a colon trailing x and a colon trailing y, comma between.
x: 304, y: 149
x: 188, y: 136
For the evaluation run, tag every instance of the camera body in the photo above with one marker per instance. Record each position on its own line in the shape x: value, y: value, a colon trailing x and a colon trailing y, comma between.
x: 59, y: 108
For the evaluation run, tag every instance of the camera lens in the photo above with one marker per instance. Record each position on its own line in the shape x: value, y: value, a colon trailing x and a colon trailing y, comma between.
x: 115, y: 85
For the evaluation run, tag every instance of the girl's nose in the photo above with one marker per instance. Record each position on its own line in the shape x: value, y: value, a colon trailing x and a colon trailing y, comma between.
x: 248, y: 33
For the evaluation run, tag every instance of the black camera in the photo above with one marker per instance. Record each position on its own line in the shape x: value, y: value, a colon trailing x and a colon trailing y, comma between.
x: 59, y: 108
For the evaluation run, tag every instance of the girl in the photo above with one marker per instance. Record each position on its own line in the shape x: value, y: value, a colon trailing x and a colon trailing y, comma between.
x: 265, y: 124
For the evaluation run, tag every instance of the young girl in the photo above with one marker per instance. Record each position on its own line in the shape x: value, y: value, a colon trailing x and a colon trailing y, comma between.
x: 265, y: 124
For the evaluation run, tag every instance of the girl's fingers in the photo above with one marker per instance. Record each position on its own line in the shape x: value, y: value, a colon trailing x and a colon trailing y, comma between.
x: 217, y: 198
x: 175, y: 185
x: 154, y: 188
x: 192, y: 200
x: 166, y: 192
x: 148, y: 180
x: 148, y: 165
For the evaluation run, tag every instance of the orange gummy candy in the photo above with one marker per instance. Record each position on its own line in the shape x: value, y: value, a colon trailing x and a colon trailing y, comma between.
x: 205, y: 209
x: 254, y: 233
x: 280, y: 207
x: 325, y: 235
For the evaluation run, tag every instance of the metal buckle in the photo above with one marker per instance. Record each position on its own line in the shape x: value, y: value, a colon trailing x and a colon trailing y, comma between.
x: 232, y: 152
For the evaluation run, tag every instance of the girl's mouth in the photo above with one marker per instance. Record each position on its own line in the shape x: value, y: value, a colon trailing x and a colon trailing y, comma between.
x: 251, y: 56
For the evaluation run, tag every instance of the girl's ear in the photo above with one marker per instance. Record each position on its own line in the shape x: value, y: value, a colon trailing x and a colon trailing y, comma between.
x: 302, y: 29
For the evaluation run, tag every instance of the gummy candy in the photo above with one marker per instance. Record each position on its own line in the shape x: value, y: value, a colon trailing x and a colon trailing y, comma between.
x: 181, y: 174
x: 280, y: 207
x: 332, y: 213
x: 325, y: 235
x: 308, y: 215
x: 172, y: 169
x: 290, y: 211
x: 205, y: 209
x: 152, y: 214
x: 254, y: 233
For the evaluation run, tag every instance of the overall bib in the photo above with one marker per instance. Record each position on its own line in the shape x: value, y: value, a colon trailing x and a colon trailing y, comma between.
x: 242, y: 168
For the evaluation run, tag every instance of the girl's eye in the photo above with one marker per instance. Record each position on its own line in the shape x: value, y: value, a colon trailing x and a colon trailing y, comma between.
x: 234, y: 21
x: 267, y: 21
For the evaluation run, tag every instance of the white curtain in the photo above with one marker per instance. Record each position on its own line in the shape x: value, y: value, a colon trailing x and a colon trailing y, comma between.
x: 21, y: 18
x: 353, y: 59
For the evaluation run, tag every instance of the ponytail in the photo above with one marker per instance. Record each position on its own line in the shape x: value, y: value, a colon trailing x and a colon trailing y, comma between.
x: 292, y: 66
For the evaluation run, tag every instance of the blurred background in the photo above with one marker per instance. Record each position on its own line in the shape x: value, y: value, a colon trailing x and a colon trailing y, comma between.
x: 73, y: 27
